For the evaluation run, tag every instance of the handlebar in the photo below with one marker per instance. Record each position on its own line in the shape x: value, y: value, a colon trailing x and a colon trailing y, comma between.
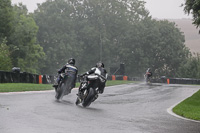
x: 84, y: 78
x: 81, y: 78
x: 104, y: 78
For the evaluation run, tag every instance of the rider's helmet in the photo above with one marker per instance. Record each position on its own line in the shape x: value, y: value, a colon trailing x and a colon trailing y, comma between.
x: 99, y: 64
x: 71, y: 61
x: 149, y: 69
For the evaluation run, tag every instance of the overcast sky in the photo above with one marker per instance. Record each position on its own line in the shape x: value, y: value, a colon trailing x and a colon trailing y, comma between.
x: 162, y: 9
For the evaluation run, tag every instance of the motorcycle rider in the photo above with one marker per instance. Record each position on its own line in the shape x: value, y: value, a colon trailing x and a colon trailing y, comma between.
x: 148, y: 73
x: 100, y: 84
x: 71, y: 71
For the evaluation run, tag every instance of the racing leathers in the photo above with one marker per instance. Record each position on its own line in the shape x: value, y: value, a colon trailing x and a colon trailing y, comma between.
x: 71, y: 71
x: 97, y: 83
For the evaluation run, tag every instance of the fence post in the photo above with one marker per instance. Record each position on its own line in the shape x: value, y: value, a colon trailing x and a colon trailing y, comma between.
x: 40, y: 79
x: 168, y: 81
x: 113, y: 77
x: 125, y: 77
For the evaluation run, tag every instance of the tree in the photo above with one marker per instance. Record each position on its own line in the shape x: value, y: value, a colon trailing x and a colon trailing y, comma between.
x: 26, y: 53
x: 6, y: 18
x: 169, y: 51
x: 155, y: 44
x: 190, y: 68
x: 193, y: 7
x: 88, y: 30
x: 5, y: 60
x: 111, y: 31
x: 57, y: 33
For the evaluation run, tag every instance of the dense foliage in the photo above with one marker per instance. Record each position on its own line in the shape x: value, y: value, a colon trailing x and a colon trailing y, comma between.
x: 18, y: 40
x: 193, y: 7
x: 190, y: 68
x: 5, y: 60
x: 111, y: 31
x: 6, y: 17
x: 27, y: 53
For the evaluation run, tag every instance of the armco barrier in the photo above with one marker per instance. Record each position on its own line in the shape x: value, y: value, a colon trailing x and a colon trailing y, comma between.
x: 184, y: 81
x: 176, y: 81
x: 162, y: 80
x: 119, y: 77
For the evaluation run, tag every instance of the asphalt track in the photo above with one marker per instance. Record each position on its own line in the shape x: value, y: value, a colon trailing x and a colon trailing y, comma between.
x: 131, y: 108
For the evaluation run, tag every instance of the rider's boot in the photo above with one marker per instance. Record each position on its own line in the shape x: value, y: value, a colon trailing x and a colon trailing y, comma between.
x: 55, y: 85
x: 80, y: 93
x: 80, y: 97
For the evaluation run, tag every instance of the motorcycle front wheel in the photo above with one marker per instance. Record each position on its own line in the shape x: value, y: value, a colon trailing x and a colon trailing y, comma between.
x: 89, y: 97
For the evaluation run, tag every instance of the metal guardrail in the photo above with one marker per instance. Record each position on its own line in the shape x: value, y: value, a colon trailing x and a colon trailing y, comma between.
x: 176, y: 80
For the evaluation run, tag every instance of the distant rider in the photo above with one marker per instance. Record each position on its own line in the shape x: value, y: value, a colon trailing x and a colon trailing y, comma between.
x: 100, y: 84
x: 71, y: 71
x: 148, y: 73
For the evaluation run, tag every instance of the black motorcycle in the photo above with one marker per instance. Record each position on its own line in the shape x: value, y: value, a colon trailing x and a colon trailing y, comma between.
x: 64, y: 86
x: 89, y: 91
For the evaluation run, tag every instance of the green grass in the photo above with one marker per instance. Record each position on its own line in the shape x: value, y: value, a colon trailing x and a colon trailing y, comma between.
x: 19, y: 87
x: 190, y: 107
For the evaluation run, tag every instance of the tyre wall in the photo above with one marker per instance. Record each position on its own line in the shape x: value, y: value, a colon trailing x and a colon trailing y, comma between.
x: 17, y: 77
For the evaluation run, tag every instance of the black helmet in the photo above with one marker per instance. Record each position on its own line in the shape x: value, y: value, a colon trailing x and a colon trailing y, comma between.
x: 71, y: 61
x: 99, y: 64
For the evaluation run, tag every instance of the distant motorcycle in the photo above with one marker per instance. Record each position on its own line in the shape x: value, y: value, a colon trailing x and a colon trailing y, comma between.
x: 89, y: 94
x: 147, y: 77
x: 64, y: 86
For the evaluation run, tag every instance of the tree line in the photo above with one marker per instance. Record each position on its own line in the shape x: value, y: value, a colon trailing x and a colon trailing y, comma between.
x: 111, y: 31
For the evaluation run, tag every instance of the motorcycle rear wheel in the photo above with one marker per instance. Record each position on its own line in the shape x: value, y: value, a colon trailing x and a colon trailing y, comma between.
x: 59, y: 92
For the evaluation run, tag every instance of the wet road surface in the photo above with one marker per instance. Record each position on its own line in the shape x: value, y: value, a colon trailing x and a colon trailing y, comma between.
x: 131, y: 108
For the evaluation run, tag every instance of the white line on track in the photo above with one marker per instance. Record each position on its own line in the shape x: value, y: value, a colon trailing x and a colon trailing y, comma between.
x: 27, y: 92
x: 169, y: 110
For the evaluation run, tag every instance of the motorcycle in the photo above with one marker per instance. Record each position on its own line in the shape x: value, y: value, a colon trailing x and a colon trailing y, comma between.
x: 89, y: 91
x: 147, y: 77
x: 64, y: 86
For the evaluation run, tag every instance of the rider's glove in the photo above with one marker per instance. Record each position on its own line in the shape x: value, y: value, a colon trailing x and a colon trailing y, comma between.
x: 82, y: 75
x: 59, y: 72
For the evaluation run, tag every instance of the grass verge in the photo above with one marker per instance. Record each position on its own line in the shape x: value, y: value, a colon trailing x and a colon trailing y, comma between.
x: 19, y: 87
x: 190, y: 107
